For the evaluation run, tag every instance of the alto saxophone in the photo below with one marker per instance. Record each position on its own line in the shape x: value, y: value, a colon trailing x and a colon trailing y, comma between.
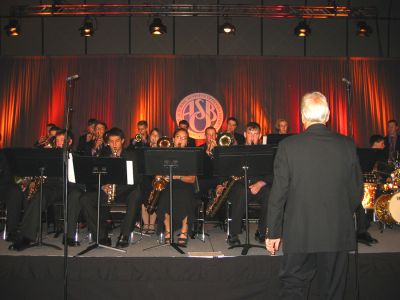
x: 36, y: 181
x: 112, y: 188
x: 221, y: 197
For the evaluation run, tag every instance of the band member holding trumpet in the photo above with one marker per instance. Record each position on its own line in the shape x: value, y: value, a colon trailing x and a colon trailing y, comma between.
x: 184, y: 201
x: 141, y: 138
x: 231, y: 126
x: 98, y: 145
x: 47, y: 141
x: 258, y: 191
x: 130, y: 194
x: 87, y: 136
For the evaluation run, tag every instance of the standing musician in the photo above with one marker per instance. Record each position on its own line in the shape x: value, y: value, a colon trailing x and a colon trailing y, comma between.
x: 184, y: 202
x: 317, y: 186
x: 52, y: 193
x: 87, y: 137
x: 282, y: 126
x: 130, y: 194
x: 392, y: 140
x: 47, y: 141
x: 258, y: 191
x: 149, y: 220
x: 231, y: 126
x: 98, y: 145
x: 185, y: 125
x: 141, y: 139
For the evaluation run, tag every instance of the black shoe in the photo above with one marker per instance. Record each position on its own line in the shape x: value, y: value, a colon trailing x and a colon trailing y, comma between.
x: 20, y: 243
x: 105, y: 241
x: 11, y: 237
x: 259, y: 237
x: 366, y: 238
x: 233, y: 240
x: 71, y: 242
x: 123, y: 241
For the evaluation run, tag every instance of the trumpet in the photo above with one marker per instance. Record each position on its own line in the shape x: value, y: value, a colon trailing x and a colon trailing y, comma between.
x: 225, y: 139
x: 164, y: 142
x: 138, y: 138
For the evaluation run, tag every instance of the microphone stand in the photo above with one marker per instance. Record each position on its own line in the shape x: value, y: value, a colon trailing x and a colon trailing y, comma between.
x: 349, y: 111
x: 67, y: 113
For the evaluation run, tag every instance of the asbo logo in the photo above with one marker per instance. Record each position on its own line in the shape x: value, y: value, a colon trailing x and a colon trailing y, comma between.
x: 201, y: 111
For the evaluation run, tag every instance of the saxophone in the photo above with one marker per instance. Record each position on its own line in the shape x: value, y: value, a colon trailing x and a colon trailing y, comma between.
x: 34, y: 186
x: 159, y: 183
x: 112, y: 188
x: 221, y: 197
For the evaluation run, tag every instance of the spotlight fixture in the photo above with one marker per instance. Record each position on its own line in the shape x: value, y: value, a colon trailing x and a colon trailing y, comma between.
x: 157, y: 27
x: 227, y: 28
x: 13, y: 29
x: 302, y: 30
x: 87, y: 29
x: 363, y: 29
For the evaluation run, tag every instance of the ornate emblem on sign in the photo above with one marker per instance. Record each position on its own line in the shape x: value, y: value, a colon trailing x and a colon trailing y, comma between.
x: 201, y: 111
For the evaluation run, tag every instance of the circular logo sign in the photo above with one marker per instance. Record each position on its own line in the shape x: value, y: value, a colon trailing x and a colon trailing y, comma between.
x: 201, y: 111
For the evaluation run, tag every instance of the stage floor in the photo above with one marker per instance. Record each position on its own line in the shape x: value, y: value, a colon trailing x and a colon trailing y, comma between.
x: 214, y: 245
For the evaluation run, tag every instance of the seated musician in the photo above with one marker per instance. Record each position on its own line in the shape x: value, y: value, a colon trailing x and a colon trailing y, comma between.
x: 97, y: 145
x: 282, y: 126
x: 149, y: 220
x: 52, y: 193
x: 183, y: 206
x: 258, y: 191
x: 129, y: 194
x: 142, y: 137
x: 185, y: 125
x: 231, y: 126
x: 11, y: 197
x: 87, y: 137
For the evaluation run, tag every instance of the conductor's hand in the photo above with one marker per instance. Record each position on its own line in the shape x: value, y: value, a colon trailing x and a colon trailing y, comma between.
x: 272, y: 245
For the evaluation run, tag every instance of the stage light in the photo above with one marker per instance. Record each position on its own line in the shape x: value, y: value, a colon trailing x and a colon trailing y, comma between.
x: 227, y: 28
x: 87, y: 29
x: 13, y: 29
x: 157, y: 27
x: 363, y: 29
x: 302, y: 30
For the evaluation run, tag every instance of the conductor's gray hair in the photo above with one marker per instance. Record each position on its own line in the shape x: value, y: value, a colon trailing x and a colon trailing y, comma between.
x: 314, y: 108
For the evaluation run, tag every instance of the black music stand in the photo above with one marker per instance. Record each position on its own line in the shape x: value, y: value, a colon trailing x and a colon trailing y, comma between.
x: 100, y: 170
x: 171, y: 161
x: 276, y: 138
x: 255, y: 160
x: 29, y: 162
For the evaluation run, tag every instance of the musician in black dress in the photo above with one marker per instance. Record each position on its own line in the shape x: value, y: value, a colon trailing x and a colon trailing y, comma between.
x: 130, y: 194
x: 258, y: 192
x: 183, y: 199
x: 98, y: 144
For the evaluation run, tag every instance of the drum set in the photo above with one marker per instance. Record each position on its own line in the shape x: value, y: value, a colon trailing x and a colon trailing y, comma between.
x: 383, y: 198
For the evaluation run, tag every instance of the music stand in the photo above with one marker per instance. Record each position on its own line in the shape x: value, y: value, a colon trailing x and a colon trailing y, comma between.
x: 101, y: 170
x: 255, y: 160
x: 171, y: 161
x: 28, y: 162
x: 276, y: 138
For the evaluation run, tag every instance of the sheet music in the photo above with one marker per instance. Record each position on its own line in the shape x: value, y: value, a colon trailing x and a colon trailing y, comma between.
x: 129, y: 172
x: 71, y: 171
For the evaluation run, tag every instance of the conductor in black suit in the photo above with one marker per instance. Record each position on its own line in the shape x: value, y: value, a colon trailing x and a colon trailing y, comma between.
x: 317, y: 187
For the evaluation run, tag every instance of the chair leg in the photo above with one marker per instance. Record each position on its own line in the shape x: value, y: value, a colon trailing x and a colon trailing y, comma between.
x: 228, y: 220
x: 4, y: 219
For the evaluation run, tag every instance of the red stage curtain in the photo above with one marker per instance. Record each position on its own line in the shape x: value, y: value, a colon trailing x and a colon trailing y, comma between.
x: 122, y: 90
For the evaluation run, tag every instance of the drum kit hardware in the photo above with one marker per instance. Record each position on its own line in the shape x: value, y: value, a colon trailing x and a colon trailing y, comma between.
x: 387, y: 205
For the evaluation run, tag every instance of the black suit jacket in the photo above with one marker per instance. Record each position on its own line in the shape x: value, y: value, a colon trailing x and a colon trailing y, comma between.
x: 387, y: 145
x: 239, y: 138
x: 317, y: 186
x: 191, y: 142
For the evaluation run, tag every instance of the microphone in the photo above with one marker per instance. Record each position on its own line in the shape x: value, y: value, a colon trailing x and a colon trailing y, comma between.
x: 346, y: 81
x: 73, y: 77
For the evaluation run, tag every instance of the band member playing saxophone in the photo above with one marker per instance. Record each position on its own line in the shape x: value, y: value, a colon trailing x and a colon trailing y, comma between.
x: 141, y: 139
x: 129, y: 194
x: 183, y: 199
x: 149, y: 220
x: 258, y: 191
x: 52, y: 193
